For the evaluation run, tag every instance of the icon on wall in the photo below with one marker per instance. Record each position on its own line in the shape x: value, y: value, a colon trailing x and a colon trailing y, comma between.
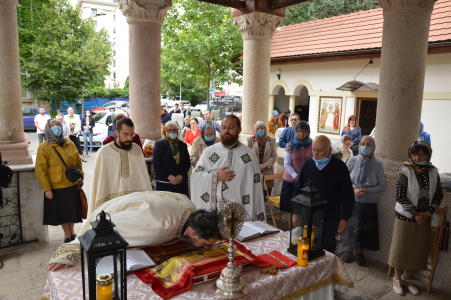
x: 329, y: 117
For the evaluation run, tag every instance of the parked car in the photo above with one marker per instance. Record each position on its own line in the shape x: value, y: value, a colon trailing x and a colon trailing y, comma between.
x: 116, y: 104
x: 100, y: 131
x: 202, y: 107
x: 29, y: 112
x: 225, y: 102
x: 172, y: 102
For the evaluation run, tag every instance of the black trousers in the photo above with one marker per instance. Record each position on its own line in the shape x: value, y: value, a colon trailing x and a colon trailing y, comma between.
x: 76, y: 141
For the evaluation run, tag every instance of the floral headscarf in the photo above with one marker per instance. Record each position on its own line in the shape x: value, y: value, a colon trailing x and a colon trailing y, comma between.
x: 413, y: 165
x: 297, y: 143
x: 173, y: 143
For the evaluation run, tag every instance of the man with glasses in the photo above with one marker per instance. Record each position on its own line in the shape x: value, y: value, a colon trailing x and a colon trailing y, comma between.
x: 120, y: 167
x: 112, y: 137
x: 229, y: 172
x: 289, y: 133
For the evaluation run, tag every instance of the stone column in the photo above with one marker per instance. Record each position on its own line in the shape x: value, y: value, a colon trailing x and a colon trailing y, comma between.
x: 292, y: 102
x: 403, y: 66
x: 145, y: 18
x: 257, y: 29
x: 13, y: 147
x: 270, y: 106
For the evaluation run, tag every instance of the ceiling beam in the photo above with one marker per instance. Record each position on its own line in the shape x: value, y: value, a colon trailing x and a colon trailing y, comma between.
x: 275, y: 4
x: 228, y: 3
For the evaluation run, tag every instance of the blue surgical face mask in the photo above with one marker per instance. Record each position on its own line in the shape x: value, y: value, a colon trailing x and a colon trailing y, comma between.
x: 323, y: 160
x: 261, y: 133
x: 173, y: 135
x: 210, y: 138
x: 365, y: 150
x: 88, y: 114
x: 57, y: 130
x: 424, y: 162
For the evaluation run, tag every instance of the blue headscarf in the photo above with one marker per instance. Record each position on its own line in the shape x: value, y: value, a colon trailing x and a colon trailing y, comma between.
x: 421, y: 129
x: 362, y: 178
x: 202, y: 134
x: 297, y: 143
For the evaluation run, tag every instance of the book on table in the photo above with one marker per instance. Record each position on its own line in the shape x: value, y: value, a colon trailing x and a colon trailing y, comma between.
x: 136, y: 260
x: 252, y: 230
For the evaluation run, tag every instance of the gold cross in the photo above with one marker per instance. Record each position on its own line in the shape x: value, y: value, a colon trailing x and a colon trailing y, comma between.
x: 231, y: 219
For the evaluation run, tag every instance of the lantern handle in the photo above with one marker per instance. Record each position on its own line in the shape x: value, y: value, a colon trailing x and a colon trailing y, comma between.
x: 102, y: 215
x: 308, y: 184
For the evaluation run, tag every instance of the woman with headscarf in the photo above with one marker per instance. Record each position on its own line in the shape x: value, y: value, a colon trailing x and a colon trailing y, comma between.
x: 418, y: 196
x: 61, y: 196
x: 368, y: 179
x: 297, y: 152
x: 206, y: 139
x: 171, y: 161
x: 424, y: 136
x: 266, y: 149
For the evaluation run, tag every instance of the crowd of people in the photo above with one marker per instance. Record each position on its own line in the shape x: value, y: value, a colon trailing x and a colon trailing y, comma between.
x: 211, y: 167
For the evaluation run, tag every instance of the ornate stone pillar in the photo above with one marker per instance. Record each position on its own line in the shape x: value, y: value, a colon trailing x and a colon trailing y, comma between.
x: 270, y: 106
x: 292, y: 102
x: 403, y: 66
x: 257, y: 29
x: 13, y: 147
x: 145, y: 18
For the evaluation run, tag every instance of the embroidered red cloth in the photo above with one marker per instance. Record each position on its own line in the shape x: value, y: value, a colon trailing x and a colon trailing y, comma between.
x: 275, y: 262
x: 175, y: 275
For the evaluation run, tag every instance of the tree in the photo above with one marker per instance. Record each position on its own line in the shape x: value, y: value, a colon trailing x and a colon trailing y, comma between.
x: 320, y: 9
x: 127, y: 83
x: 68, y: 54
x: 200, y: 42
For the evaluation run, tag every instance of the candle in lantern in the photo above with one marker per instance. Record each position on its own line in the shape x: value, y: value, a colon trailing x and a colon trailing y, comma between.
x: 104, y: 287
x: 312, y: 236
x: 303, y: 248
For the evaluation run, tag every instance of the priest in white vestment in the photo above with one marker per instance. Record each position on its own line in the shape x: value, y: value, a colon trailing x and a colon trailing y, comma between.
x: 147, y: 219
x: 119, y: 168
x: 229, y: 172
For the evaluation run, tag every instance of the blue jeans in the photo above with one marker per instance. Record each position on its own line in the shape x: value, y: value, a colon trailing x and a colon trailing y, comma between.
x: 90, y: 141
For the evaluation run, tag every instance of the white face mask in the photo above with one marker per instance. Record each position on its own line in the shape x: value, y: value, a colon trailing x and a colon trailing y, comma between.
x: 351, y: 123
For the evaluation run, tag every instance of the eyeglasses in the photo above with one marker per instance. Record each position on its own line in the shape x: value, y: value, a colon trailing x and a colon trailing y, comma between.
x: 126, y: 135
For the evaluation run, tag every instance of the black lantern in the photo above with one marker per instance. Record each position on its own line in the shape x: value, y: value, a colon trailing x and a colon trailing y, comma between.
x: 307, y: 220
x: 99, y: 243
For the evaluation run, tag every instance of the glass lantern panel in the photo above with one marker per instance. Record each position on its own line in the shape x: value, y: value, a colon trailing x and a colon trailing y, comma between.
x: 318, y: 223
x: 299, y: 220
x: 106, y: 266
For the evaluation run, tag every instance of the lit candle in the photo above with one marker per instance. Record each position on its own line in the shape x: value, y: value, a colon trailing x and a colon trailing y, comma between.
x: 104, y: 287
x: 312, y: 236
x: 303, y: 248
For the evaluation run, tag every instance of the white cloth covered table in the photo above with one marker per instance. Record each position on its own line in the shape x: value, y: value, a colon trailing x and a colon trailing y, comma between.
x: 310, y: 283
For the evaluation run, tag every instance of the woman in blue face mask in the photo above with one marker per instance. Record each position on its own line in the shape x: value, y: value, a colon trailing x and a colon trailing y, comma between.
x: 368, y: 179
x: 61, y: 196
x: 418, y: 195
x: 171, y: 161
x: 266, y: 149
x: 207, y: 138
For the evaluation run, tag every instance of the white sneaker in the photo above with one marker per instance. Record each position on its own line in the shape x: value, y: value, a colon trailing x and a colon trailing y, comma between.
x: 413, y: 289
x: 398, y: 289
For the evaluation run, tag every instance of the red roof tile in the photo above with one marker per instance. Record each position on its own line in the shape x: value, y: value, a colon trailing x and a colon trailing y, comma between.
x: 352, y: 32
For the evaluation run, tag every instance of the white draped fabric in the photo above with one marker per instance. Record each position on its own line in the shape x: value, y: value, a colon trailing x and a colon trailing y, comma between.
x: 207, y: 192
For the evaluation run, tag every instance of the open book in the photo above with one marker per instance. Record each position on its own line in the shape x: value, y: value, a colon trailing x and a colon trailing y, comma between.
x: 136, y: 260
x: 252, y: 230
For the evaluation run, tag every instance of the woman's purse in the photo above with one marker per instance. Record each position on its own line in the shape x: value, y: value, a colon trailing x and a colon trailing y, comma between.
x: 83, y: 204
x: 73, y: 174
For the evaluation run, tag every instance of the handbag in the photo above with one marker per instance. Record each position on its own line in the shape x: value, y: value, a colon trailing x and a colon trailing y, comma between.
x: 73, y: 174
x: 445, y: 236
x: 83, y: 204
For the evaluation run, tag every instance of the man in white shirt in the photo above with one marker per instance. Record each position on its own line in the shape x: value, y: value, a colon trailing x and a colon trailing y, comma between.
x: 40, y: 121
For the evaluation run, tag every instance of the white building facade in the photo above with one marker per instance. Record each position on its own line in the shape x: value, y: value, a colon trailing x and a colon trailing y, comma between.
x: 106, y: 14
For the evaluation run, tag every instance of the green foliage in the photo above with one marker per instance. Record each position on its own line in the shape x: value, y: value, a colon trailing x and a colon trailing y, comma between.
x: 200, y: 44
x: 320, y: 9
x: 101, y: 92
x: 67, y: 54
x: 127, y: 83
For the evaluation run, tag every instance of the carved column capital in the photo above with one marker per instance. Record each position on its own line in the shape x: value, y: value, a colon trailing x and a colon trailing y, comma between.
x: 400, y: 6
x: 150, y: 11
x: 257, y: 25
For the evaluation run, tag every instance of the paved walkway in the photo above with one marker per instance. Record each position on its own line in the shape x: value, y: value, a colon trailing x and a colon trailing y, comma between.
x: 24, y: 272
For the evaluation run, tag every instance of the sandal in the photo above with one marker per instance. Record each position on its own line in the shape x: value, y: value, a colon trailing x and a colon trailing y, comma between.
x: 413, y: 289
x: 360, y: 259
x: 398, y: 289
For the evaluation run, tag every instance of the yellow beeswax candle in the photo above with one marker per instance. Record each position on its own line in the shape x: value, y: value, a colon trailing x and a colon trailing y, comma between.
x: 303, y: 248
x: 312, y: 237
x: 104, y: 287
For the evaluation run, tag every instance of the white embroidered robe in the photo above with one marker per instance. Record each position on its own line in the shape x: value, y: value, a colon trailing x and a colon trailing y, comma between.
x: 245, y: 188
x: 142, y: 219
x: 117, y: 172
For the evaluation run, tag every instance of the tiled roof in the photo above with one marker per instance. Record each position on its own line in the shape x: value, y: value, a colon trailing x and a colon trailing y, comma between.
x: 352, y: 32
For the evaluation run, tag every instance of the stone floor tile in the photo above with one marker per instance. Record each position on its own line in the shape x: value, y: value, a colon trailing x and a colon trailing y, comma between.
x: 371, y: 288
x: 357, y: 272
x: 12, y: 283
x: 37, y: 256
x: 422, y: 296
x: 353, y: 294
x: 28, y: 295
x: 10, y: 261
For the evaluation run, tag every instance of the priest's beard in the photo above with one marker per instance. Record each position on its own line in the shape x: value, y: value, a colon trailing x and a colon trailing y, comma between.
x: 229, y: 140
x: 127, y: 145
x: 189, y: 243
